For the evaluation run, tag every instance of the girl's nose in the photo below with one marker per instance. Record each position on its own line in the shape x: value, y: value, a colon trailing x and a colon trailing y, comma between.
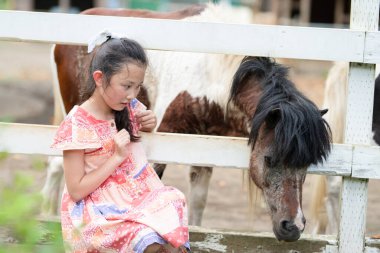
x: 130, y: 96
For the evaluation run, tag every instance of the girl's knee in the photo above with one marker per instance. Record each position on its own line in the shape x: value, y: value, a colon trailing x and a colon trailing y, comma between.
x: 165, y: 248
x: 153, y: 248
x: 158, y: 248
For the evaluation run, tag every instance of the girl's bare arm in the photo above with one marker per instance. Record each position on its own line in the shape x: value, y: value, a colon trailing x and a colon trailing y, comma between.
x: 79, y: 183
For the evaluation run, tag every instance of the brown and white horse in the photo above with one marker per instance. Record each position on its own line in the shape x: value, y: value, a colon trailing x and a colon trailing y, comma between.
x: 216, y: 94
x: 324, y: 208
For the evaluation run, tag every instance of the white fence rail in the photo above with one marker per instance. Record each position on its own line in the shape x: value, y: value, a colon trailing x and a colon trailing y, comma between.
x: 204, y: 150
x: 257, y: 40
x: 361, y: 45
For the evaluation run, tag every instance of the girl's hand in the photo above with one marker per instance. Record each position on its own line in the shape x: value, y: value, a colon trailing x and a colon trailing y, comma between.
x: 121, y: 140
x: 147, y: 119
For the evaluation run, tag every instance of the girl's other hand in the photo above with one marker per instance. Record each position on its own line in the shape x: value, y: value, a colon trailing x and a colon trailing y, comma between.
x: 121, y: 140
x: 147, y: 119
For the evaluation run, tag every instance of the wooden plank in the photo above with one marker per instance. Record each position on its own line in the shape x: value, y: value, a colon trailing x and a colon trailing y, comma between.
x: 210, y: 240
x: 259, y: 40
x: 371, y: 250
x: 372, y: 45
x: 372, y: 245
x: 358, y: 131
x: 352, y: 215
x: 338, y: 163
x: 213, y: 240
x: 197, y: 150
x: 186, y: 149
x: 331, y: 249
x: 366, y: 162
x: 161, y: 147
x: 361, y: 78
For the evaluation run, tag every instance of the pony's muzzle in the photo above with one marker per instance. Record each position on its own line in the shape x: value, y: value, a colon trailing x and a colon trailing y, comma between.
x: 288, y: 231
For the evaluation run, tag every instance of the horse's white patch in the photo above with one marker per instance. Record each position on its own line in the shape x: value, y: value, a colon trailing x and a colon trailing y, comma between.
x: 199, y: 74
x: 298, y: 219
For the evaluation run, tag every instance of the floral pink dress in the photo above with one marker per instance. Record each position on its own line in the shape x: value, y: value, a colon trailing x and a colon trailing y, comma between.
x: 132, y: 208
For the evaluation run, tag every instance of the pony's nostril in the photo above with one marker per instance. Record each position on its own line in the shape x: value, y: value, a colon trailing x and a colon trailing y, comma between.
x: 287, y: 225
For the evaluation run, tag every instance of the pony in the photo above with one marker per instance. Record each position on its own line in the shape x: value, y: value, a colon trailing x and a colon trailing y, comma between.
x: 215, y: 94
x: 324, y: 208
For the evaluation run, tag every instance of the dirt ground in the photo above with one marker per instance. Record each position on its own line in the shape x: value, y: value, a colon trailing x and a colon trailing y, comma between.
x: 26, y: 97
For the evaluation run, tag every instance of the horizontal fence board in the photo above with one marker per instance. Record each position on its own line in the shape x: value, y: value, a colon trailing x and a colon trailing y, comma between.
x: 371, y: 250
x: 372, y: 245
x: 372, y: 46
x: 257, y: 40
x: 200, y: 150
x: 160, y: 147
x: 213, y: 240
x: 339, y: 162
x: 365, y: 162
x: 210, y: 240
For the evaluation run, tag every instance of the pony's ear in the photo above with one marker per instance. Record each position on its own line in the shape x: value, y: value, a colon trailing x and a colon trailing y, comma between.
x: 273, y: 118
x: 324, y: 111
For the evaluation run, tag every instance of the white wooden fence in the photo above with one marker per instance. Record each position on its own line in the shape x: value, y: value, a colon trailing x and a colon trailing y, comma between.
x: 360, y: 45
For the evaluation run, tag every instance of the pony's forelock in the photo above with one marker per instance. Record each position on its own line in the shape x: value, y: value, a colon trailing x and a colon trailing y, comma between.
x: 301, y: 136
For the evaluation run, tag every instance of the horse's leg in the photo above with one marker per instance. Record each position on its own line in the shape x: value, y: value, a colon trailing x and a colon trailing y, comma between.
x: 199, y: 182
x: 51, y: 191
x: 52, y: 188
x: 159, y: 168
x: 59, y: 108
x: 326, y: 190
x: 324, y: 206
x: 317, y: 207
x: 332, y: 203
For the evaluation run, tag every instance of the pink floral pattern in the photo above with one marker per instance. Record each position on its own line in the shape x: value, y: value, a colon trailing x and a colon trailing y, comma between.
x: 132, y: 208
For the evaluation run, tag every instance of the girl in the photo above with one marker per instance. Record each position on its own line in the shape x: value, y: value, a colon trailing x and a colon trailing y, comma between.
x: 113, y: 200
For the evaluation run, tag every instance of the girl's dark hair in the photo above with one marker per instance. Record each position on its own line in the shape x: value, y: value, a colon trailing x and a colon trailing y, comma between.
x: 110, y: 57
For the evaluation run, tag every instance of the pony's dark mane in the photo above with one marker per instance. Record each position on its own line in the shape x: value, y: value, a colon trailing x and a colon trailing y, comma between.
x: 301, y: 136
x: 376, y: 112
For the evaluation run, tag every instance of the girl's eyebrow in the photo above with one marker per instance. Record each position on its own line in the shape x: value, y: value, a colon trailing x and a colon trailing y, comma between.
x: 131, y: 82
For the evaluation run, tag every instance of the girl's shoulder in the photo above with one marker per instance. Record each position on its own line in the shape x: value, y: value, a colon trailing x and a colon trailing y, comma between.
x: 77, y: 131
x: 81, y: 116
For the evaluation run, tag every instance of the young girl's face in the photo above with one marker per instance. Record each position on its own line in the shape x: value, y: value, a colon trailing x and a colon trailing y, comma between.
x: 124, y: 86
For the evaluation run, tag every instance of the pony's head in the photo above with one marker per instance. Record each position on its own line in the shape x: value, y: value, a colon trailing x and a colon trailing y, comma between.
x: 287, y: 135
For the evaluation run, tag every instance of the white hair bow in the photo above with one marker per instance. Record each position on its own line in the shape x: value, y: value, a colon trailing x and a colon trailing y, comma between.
x: 100, y: 39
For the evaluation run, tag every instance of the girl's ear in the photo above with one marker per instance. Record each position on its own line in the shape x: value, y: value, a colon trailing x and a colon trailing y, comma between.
x: 98, y: 77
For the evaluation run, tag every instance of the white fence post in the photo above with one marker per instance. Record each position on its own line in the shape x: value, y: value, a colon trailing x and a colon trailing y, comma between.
x: 361, y: 77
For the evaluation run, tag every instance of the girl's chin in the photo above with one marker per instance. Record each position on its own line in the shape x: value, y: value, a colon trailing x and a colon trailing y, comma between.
x: 119, y: 108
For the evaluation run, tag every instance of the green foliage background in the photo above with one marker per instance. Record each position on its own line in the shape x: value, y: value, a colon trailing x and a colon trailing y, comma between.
x: 19, y: 224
